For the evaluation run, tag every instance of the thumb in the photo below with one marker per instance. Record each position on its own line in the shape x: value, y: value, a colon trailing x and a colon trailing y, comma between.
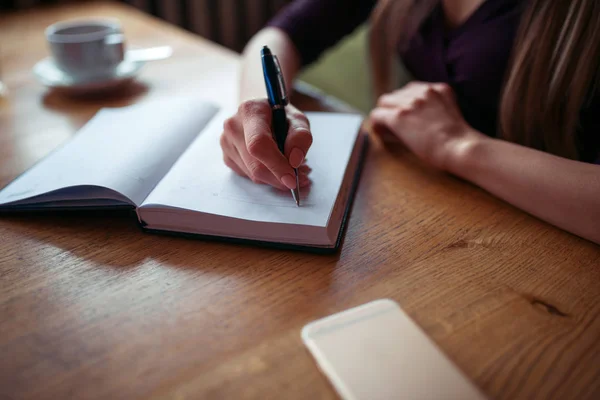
x: 446, y: 93
x: 299, y: 137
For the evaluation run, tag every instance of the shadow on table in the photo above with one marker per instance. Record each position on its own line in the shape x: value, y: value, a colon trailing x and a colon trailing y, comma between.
x: 127, y: 94
x: 113, y: 239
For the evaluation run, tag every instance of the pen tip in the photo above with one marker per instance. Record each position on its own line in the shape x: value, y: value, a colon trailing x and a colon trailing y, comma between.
x: 297, y: 190
x: 296, y: 196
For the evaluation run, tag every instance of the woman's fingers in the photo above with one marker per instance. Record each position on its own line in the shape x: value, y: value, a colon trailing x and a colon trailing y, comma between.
x: 299, y: 138
x: 259, y: 143
x: 257, y: 171
x: 250, y: 150
x: 387, y: 117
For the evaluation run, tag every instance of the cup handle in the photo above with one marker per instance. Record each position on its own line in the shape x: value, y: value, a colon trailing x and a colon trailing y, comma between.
x: 115, y: 38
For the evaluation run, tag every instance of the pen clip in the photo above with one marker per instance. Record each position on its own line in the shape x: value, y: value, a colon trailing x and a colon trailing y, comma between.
x: 281, y: 86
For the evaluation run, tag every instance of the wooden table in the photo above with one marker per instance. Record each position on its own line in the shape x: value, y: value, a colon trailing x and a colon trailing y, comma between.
x: 92, y: 308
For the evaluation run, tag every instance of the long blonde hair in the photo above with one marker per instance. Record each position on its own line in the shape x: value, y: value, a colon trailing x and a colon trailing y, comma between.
x: 554, y: 71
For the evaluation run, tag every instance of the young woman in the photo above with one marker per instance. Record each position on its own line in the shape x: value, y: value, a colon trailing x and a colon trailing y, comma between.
x: 507, y: 95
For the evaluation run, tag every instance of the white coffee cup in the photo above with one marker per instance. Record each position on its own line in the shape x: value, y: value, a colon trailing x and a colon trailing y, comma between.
x: 89, y: 49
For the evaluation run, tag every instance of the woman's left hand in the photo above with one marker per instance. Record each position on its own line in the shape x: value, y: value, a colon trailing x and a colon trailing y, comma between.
x: 426, y: 118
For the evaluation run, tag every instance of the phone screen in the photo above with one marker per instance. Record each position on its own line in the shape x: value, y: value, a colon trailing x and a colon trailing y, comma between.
x: 375, y: 351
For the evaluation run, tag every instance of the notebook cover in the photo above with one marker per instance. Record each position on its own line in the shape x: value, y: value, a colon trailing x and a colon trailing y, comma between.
x: 286, y: 246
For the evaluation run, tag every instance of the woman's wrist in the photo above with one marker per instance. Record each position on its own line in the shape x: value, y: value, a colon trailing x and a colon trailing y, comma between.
x: 463, y: 151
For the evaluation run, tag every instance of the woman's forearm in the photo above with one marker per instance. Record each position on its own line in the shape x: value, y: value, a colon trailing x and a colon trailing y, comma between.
x: 563, y: 192
x: 252, y: 81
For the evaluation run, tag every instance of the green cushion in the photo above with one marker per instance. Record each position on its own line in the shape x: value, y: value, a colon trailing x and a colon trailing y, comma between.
x: 343, y: 71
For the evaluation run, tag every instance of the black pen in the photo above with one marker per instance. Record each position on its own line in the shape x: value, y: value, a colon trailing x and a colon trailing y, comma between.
x: 278, y: 99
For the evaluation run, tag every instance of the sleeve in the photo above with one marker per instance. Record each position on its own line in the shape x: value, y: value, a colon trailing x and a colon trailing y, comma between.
x: 316, y: 25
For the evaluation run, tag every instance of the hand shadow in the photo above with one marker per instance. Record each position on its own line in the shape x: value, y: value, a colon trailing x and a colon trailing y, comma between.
x: 304, y: 192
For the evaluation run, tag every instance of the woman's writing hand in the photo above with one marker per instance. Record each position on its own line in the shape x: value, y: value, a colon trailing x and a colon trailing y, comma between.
x: 250, y: 150
x: 426, y: 118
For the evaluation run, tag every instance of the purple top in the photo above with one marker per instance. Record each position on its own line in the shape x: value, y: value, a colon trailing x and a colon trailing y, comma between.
x: 471, y: 58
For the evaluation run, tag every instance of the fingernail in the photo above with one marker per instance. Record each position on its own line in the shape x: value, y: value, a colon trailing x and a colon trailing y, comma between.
x: 289, y: 181
x: 296, y: 157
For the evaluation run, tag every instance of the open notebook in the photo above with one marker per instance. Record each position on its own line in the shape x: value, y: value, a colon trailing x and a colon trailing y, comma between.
x: 164, y: 159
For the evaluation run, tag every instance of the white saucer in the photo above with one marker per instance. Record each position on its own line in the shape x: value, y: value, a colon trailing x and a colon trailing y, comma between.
x: 51, y: 76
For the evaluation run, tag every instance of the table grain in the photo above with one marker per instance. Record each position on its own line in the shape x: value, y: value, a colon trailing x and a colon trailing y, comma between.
x: 93, y: 308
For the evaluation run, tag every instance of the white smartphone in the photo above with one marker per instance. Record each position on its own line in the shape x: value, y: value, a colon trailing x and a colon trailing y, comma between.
x: 375, y: 351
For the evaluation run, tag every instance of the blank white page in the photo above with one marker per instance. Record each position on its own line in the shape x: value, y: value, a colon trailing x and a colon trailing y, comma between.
x: 127, y: 150
x: 200, y: 181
